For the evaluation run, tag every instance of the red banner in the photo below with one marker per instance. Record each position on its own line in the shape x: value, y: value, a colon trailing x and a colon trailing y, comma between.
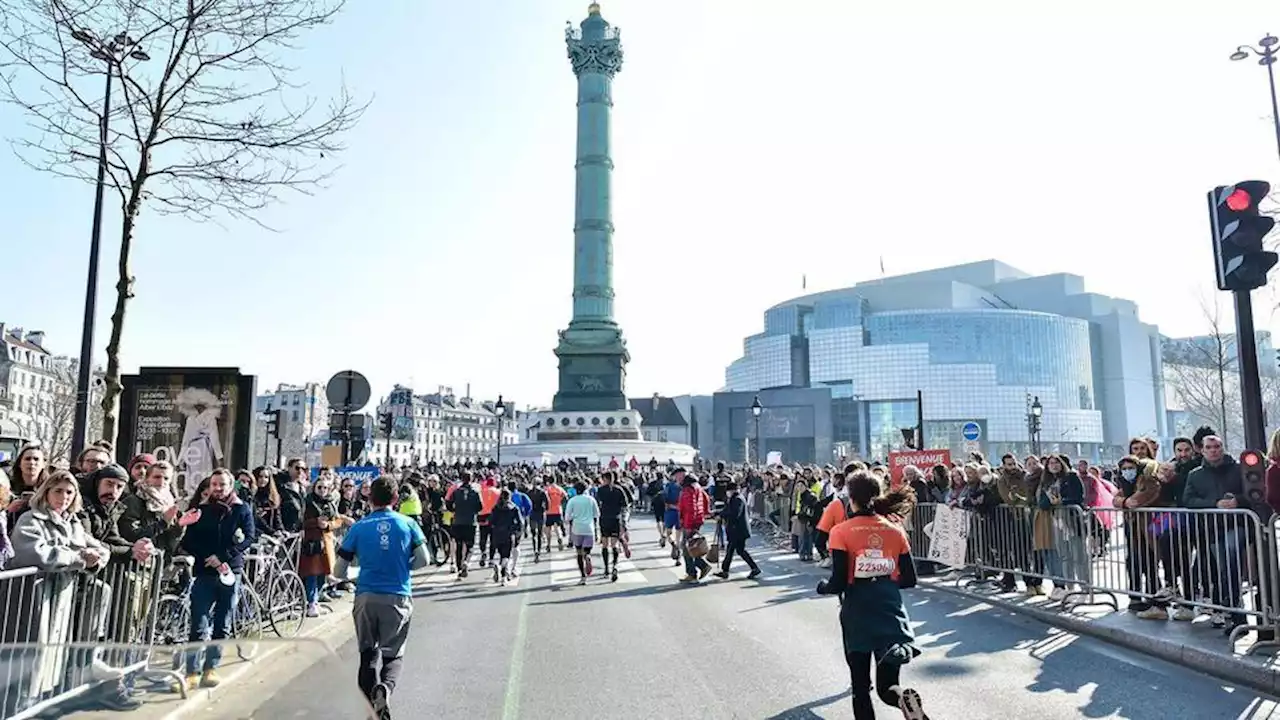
x: 923, y: 459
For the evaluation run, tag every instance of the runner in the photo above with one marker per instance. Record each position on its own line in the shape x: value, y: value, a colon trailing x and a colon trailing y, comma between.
x: 506, y: 523
x: 465, y: 504
x: 583, y: 514
x: 555, y: 526
x: 488, y: 498
x: 525, y: 506
x: 538, y: 515
x: 611, y: 501
x: 870, y: 565
x: 671, y: 501
x: 653, y: 491
x: 388, y: 546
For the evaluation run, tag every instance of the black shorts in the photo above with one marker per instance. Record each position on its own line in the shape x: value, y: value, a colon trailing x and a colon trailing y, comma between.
x: 610, y: 527
x: 464, y: 533
x: 555, y: 521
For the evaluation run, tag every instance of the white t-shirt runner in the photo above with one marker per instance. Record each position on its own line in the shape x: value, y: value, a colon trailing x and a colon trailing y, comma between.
x: 582, y: 511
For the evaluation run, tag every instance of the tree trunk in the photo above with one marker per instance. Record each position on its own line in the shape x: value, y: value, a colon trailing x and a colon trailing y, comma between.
x: 124, y: 292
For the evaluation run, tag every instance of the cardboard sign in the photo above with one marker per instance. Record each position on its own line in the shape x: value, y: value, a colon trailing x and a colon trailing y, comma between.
x: 948, y: 536
x: 923, y: 459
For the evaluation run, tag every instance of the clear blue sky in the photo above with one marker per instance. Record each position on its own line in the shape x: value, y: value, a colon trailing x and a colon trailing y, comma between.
x: 755, y: 142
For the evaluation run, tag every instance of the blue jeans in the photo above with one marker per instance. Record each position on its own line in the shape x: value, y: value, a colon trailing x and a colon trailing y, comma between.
x: 210, y: 596
x: 806, y: 541
x: 1228, y: 551
x: 691, y: 564
x: 314, y: 583
x: 1052, y: 562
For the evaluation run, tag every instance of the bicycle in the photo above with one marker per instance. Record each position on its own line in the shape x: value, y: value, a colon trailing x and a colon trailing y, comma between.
x: 278, y: 587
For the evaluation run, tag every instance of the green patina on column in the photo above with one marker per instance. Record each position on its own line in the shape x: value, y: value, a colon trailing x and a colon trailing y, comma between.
x: 593, y: 356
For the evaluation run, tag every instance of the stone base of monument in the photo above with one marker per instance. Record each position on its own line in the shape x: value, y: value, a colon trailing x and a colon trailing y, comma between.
x: 593, y: 438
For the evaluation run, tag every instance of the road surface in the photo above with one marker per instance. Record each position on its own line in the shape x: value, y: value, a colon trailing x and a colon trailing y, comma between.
x: 648, y: 647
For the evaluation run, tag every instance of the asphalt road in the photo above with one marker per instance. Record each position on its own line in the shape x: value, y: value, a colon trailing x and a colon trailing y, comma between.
x: 648, y: 647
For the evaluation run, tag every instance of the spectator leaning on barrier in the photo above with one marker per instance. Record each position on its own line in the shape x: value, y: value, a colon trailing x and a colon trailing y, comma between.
x: 1139, y: 488
x: 217, y: 540
x: 291, y: 486
x: 51, y: 538
x: 1217, y: 483
x: 1014, y: 522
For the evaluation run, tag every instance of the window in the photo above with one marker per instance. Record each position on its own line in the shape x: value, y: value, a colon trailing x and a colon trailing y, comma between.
x: 295, y: 414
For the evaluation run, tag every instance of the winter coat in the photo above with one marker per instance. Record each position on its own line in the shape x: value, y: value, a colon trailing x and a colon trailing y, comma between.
x: 51, y: 543
x: 693, y: 507
x: 506, y: 521
x: 224, y: 530
x: 141, y: 521
x: 319, y: 522
x: 102, y: 522
x: 1012, y: 486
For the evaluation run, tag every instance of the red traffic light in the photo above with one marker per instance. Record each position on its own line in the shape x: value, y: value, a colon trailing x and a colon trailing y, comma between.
x: 1239, y: 200
x: 1251, y: 458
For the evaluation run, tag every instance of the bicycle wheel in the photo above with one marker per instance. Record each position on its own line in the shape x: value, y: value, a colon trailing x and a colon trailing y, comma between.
x: 287, y: 604
x: 173, y: 625
x: 247, y: 625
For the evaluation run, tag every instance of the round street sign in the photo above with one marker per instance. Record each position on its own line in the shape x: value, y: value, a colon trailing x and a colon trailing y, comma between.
x: 348, y: 391
x: 971, y: 431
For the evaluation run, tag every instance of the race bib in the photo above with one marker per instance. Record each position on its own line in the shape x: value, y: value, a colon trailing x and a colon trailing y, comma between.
x: 872, y: 563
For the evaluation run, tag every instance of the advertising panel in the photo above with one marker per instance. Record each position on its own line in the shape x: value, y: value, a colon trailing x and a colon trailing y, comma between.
x: 196, y: 419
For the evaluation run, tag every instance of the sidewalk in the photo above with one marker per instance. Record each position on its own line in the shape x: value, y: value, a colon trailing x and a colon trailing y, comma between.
x: 158, y: 703
x: 1197, y: 645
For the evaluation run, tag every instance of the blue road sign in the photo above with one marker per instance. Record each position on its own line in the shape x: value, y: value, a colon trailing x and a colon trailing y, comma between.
x: 971, y: 431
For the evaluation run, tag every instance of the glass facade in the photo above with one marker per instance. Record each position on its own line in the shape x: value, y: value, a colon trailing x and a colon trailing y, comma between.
x: 973, y: 355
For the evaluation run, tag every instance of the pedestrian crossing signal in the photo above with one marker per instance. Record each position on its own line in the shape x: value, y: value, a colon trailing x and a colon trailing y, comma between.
x: 1241, y: 260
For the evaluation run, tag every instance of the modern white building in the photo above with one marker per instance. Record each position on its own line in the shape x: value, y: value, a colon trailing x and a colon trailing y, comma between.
x: 981, y: 342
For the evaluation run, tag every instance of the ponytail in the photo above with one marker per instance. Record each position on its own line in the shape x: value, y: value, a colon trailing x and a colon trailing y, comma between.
x: 898, y: 502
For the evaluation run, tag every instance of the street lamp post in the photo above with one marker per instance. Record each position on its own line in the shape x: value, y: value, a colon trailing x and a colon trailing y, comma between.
x: 500, y: 409
x: 1033, y: 422
x: 112, y: 53
x: 1266, y: 52
x: 756, y: 410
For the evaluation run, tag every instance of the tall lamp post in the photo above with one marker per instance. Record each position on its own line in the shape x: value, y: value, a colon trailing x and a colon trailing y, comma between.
x: 1033, y: 422
x: 500, y: 409
x: 756, y: 410
x: 112, y: 52
x: 1266, y: 52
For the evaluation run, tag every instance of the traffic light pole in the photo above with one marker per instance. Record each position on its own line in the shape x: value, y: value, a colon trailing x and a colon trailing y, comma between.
x: 1250, y: 385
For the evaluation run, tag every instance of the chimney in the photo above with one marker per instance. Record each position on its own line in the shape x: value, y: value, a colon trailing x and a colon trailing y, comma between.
x: 657, y: 400
x: 36, y: 337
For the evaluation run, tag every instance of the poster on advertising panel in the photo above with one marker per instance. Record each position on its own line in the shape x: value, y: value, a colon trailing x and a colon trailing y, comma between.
x: 922, y: 459
x: 196, y: 419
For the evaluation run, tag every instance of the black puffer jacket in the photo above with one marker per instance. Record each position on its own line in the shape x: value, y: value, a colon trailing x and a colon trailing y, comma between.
x: 506, y: 520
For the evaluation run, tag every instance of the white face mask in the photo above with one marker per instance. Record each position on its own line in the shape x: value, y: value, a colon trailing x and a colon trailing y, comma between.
x: 1129, y: 474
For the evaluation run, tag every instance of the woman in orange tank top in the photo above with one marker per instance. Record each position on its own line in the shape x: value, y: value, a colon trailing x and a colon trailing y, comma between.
x: 870, y: 565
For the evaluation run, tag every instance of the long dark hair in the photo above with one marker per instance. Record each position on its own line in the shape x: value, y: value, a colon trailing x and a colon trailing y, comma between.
x: 865, y: 492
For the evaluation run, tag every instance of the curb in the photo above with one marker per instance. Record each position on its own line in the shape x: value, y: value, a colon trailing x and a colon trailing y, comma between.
x: 1224, y: 667
x: 320, y: 631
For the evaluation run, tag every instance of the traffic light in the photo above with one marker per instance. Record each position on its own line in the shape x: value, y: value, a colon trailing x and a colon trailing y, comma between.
x: 1253, y: 470
x: 388, y: 424
x: 1238, y: 229
x: 273, y: 423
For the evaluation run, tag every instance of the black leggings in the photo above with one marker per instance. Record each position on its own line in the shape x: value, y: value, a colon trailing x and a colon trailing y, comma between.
x: 860, y: 674
x: 368, y: 676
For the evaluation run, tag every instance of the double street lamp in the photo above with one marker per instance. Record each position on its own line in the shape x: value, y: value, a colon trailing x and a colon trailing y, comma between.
x: 756, y: 410
x: 1266, y: 52
x: 500, y: 409
x: 112, y: 52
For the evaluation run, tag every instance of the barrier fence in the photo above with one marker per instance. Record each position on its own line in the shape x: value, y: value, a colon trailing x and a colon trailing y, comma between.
x: 51, y: 619
x: 1173, y: 559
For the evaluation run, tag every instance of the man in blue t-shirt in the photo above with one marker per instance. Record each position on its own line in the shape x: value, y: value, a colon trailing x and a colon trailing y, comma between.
x: 387, y: 546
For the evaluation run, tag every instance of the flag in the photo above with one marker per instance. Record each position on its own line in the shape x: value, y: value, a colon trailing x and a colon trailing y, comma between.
x: 881, y: 264
x: 804, y: 281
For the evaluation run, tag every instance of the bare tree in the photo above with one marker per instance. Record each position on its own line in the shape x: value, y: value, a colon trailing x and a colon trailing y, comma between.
x: 207, y: 124
x: 1203, y: 375
x: 55, y: 413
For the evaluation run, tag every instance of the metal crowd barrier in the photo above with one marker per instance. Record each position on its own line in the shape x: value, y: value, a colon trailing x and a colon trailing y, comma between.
x: 50, y: 620
x: 1186, y: 561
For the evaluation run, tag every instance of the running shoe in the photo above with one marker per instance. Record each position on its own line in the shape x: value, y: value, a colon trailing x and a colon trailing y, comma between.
x: 381, y: 701
x: 589, y: 568
x: 753, y: 574
x: 662, y: 541
x: 613, y: 577
x: 910, y: 705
